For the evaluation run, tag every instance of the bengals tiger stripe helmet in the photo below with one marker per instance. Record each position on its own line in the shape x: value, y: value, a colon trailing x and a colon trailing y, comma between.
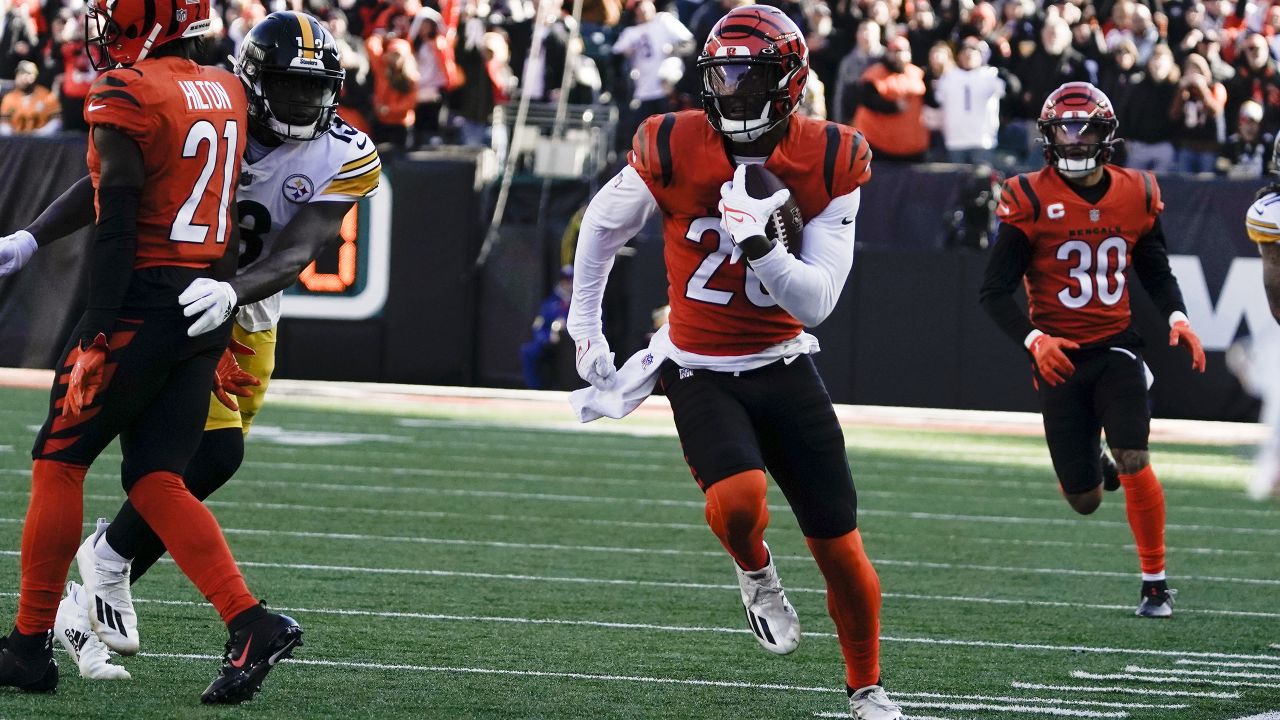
x: 754, y: 68
x: 1078, y: 127
x: 124, y: 32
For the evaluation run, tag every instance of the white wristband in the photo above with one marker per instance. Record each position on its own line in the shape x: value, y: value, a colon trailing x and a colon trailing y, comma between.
x: 1031, y: 338
x: 1178, y: 316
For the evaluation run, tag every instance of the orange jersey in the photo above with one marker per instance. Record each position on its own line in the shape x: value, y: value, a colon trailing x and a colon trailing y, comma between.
x: 189, y: 121
x: 1076, y: 284
x: 28, y: 112
x: 718, y: 307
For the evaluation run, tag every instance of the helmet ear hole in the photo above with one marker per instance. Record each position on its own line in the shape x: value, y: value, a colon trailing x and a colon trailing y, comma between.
x: 131, y: 32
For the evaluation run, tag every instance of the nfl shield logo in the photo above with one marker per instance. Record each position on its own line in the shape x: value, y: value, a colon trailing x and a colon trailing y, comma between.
x: 1094, y: 214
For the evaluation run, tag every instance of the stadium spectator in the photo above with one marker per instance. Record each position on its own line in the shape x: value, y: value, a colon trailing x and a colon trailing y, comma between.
x: 1247, y: 152
x: 891, y: 104
x: 395, y: 80
x: 1052, y: 64
x: 547, y: 329
x: 1119, y: 74
x: 1148, y: 131
x: 1198, y: 113
x: 77, y: 76
x: 969, y: 97
x: 1086, y: 39
x: 437, y: 73
x: 484, y: 60
x: 867, y: 51
x: 19, y: 40
x: 29, y: 108
x: 1208, y: 47
x: 923, y: 30
x: 940, y: 59
x: 1257, y: 79
x: 647, y: 45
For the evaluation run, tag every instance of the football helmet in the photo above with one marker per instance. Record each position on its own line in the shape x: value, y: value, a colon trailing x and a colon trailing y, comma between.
x: 123, y: 32
x: 1077, y: 126
x: 754, y: 68
x: 292, y: 74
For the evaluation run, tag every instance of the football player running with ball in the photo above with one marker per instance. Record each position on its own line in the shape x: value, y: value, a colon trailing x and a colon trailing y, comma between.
x: 1070, y: 230
x: 734, y: 358
x: 304, y: 170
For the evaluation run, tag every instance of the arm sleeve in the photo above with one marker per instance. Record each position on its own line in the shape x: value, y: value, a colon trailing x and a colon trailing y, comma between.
x: 809, y: 288
x: 613, y: 217
x: 1151, y: 263
x: 1008, y: 263
x: 111, y: 257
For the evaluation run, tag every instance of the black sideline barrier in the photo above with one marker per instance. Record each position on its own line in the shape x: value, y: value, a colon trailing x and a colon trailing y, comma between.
x: 908, y: 330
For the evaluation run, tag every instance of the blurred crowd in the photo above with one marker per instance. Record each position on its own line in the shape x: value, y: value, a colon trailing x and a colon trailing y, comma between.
x: 1195, y: 83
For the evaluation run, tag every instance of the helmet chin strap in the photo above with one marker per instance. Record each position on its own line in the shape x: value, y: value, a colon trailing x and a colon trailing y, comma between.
x: 738, y: 130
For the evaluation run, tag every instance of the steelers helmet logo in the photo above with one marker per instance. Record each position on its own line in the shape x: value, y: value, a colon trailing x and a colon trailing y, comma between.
x: 298, y: 188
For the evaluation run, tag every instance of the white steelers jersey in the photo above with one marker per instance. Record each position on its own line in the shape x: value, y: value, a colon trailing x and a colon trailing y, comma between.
x: 1263, y: 219
x: 340, y: 166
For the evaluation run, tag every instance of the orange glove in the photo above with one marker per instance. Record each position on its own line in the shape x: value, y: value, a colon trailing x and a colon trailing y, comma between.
x: 230, y: 379
x: 1182, y: 334
x: 86, y: 377
x: 1050, y: 359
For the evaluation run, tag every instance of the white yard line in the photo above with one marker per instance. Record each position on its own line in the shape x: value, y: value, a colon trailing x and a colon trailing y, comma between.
x: 1051, y: 701
x: 1209, y: 673
x: 1126, y: 690
x: 1218, y: 663
x: 1024, y: 709
x: 1157, y: 679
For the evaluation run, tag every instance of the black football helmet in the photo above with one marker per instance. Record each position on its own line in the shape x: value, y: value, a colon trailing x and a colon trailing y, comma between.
x: 292, y: 74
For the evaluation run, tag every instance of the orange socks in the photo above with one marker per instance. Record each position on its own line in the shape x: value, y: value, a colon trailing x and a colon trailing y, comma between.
x: 853, y: 599
x: 194, y: 539
x: 1144, y: 504
x: 738, y: 514
x: 49, y: 541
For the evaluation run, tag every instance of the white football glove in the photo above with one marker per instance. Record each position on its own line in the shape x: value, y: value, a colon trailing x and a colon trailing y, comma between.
x: 743, y: 216
x: 595, y: 362
x: 213, y: 301
x: 15, y: 251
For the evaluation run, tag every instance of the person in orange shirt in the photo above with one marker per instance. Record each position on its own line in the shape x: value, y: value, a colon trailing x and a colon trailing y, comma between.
x: 30, y: 108
x: 395, y: 88
x: 891, y: 105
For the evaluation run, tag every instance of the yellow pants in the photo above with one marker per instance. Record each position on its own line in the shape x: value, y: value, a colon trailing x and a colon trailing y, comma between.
x: 260, y: 365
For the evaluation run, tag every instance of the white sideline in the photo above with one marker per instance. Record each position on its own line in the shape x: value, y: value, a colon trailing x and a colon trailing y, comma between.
x: 1125, y: 690
x: 652, y: 418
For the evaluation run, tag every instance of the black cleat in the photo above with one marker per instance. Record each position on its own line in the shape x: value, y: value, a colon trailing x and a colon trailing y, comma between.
x: 1157, y: 600
x: 250, y: 654
x: 1110, y: 473
x: 34, y: 672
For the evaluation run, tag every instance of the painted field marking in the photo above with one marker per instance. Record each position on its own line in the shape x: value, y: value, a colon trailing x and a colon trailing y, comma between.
x: 1209, y: 673
x: 1156, y: 679
x: 1052, y: 701
x: 1034, y: 709
x: 1216, y: 663
x: 1126, y: 690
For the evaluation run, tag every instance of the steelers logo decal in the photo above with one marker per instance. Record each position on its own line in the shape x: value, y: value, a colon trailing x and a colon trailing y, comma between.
x: 298, y: 188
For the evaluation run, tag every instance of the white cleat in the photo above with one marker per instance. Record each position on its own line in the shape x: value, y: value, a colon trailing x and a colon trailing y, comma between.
x: 873, y: 703
x: 72, y: 630
x: 772, y: 619
x: 110, y: 604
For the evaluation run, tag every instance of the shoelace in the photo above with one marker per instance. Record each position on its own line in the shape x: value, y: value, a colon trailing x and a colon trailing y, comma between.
x: 766, y: 588
x: 880, y: 699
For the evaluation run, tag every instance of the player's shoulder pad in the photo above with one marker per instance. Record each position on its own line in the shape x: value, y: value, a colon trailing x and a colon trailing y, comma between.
x: 117, y: 99
x: 358, y: 170
x: 1019, y: 204
x: 1144, y: 184
x: 1262, y: 222
x: 651, y: 150
x: 846, y: 160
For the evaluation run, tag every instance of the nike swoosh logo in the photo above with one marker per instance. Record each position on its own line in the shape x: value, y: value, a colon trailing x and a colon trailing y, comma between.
x: 847, y: 221
x: 360, y: 145
x: 95, y: 106
x: 244, y: 655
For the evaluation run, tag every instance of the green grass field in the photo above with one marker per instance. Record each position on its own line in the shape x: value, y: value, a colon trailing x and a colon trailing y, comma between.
x: 449, y: 569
